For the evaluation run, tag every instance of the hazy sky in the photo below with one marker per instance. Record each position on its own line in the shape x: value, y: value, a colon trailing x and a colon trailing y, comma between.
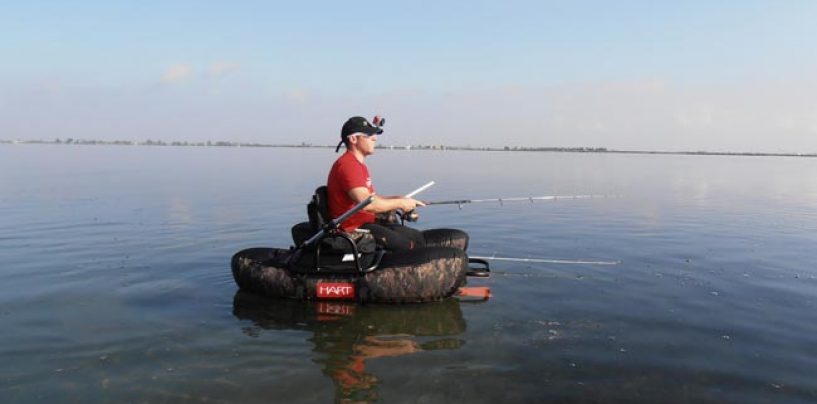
x: 675, y: 75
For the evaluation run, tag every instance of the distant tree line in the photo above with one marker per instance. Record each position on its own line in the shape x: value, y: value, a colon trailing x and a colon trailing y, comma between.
x: 221, y: 143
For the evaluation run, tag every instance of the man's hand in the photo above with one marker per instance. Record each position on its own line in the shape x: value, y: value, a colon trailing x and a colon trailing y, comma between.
x: 386, y: 203
x: 409, y: 204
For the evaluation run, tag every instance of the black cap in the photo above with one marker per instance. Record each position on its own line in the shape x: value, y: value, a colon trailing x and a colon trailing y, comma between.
x: 357, y: 124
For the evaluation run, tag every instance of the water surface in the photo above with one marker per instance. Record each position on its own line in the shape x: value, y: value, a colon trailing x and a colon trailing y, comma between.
x: 116, y: 281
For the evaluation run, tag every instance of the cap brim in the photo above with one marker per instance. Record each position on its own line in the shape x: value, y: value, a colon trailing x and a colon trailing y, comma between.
x: 372, y: 130
x: 367, y: 130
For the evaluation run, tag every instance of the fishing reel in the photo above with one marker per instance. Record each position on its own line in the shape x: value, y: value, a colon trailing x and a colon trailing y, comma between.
x: 398, y: 216
x: 410, y: 216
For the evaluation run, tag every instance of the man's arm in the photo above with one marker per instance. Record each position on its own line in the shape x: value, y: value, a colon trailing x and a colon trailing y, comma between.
x: 384, y: 204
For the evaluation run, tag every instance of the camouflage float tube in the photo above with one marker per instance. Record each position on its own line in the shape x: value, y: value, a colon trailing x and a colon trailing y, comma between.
x: 426, y: 274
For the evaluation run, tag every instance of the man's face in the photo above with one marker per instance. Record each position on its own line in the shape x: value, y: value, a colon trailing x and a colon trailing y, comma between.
x: 365, y: 143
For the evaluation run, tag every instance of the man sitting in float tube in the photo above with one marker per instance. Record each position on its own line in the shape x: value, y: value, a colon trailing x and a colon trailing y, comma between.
x: 349, y: 183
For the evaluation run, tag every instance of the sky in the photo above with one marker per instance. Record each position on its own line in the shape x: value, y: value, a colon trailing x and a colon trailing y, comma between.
x: 646, y: 75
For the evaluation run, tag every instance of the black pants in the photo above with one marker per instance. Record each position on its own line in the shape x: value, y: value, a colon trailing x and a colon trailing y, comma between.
x: 395, y: 237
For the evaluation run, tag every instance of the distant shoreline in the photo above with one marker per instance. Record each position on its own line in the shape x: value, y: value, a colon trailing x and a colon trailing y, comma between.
x: 85, y: 142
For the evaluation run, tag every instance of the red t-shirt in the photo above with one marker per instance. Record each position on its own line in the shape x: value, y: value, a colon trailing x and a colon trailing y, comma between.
x: 346, y: 174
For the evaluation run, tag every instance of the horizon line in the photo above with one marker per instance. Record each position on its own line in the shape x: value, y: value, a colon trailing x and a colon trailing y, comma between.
x: 437, y: 147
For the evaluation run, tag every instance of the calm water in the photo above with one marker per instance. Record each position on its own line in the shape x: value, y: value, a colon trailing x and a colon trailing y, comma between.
x: 116, y: 283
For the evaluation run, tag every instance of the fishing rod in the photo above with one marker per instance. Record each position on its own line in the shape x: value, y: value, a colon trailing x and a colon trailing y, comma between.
x: 546, y: 261
x: 335, y: 223
x: 412, y: 216
x: 418, y: 190
x: 407, y: 216
x: 530, y: 199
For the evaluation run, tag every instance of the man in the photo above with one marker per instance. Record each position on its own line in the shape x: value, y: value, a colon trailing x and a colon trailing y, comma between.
x: 349, y: 183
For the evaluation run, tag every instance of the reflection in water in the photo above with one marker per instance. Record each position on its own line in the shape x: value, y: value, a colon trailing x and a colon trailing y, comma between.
x: 346, y: 335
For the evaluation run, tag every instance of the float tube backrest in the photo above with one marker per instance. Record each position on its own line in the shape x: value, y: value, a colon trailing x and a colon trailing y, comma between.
x: 318, y: 209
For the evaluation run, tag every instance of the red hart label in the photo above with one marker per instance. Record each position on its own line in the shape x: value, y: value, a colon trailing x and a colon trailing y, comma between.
x: 336, y: 290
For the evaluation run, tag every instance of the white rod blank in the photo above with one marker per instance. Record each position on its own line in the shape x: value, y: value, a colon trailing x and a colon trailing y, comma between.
x: 418, y: 190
